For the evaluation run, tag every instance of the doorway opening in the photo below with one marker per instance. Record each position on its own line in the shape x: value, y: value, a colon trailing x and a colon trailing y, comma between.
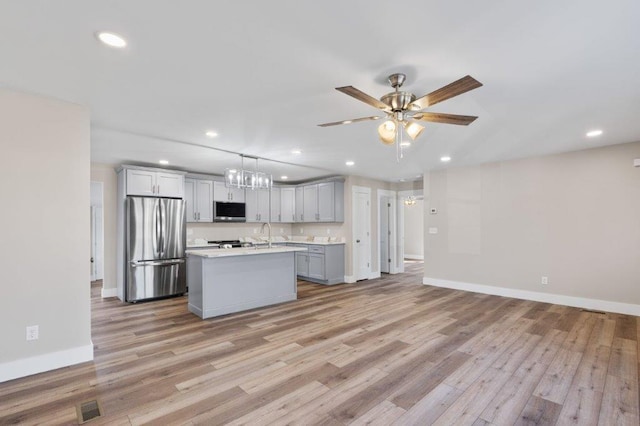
x: 411, y: 228
x: 96, y: 266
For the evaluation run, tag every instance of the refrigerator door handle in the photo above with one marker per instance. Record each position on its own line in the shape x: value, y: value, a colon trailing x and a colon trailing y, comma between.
x: 156, y: 237
x: 135, y: 264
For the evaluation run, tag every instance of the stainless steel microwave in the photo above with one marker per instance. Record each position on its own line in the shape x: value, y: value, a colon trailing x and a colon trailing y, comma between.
x: 224, y: 211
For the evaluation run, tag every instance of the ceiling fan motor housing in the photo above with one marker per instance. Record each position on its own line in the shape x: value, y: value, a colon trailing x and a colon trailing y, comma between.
x: 398, y: 101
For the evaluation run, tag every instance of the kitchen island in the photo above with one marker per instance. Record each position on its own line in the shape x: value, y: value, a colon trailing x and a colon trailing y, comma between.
x: 223, y: 281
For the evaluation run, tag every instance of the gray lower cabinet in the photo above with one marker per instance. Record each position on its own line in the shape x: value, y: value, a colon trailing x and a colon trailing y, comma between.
x: 323, y: 264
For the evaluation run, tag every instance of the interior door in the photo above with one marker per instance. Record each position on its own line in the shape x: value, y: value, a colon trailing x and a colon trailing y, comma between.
x: 361, y: 234
x: 385, y: 252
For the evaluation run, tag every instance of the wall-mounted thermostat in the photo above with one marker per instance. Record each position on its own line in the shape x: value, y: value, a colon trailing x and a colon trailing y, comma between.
x: 433, y: 210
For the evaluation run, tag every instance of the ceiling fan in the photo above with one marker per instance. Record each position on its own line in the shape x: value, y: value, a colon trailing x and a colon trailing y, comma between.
x: 402, y: 109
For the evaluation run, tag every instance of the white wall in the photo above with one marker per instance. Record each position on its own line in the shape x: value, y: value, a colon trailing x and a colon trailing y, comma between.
x: 45, y: 228
x: 573, y: 217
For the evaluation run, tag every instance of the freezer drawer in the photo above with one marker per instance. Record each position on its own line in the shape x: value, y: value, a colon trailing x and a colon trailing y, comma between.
x: 157, y: 278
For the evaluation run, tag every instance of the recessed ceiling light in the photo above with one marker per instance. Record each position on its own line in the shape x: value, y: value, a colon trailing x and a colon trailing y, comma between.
x: 111, y: 39
x: 211, y: 134
x: 232, y: 171
x: 284, y: 177
x: 401, y: 180
x: 296, y: 151
x: 165, y: 162
x: 594, y: 133
x: 349, y: 163
x: 405, y: 144
x: 347, y: 122
x: 445, y: 159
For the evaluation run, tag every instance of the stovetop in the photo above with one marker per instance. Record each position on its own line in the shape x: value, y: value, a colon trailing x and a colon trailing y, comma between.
x: 230, y: 243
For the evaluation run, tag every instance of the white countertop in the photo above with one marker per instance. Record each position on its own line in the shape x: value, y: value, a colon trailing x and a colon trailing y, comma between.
x: 316, y: 243
x: 242, y: 251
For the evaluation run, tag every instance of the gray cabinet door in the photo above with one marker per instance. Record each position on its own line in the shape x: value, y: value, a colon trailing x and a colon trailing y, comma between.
x: 302, y: 264
x: 251, y: 207
x: 274, y: 212
x: 300, y: 204
x: 169, y: 185
x: 326, y: 202
x: 316, y: 266
x: 204, y: 200
x: 288, y: 205
x: 310, y: 203
x: 190, y: 199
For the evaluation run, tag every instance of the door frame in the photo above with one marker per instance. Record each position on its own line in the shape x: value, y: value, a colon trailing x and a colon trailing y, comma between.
x: 393, y: 227
x: 354, y: 218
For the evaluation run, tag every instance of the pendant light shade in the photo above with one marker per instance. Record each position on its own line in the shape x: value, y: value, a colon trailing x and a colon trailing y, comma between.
x: 387, y: 132
x: 413, y: 129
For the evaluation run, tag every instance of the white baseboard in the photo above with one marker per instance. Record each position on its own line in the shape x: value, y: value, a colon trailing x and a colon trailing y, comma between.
x: 109, y: 292
x: 414, y: 256
x: 41, y: 363
x: 352, y: 279
x: 559, y: 299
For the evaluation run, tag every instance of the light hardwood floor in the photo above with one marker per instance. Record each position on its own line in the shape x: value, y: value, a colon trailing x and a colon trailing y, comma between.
x: 385, y: 351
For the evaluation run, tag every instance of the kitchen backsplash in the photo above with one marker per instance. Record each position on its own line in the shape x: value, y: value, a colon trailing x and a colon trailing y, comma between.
x: 227, y: 231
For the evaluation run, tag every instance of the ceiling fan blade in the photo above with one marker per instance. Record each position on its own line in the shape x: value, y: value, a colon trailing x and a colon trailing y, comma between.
x: 353, y: 120
x: 363, y: 97
x: 449, y: 91
x: 436, y: 117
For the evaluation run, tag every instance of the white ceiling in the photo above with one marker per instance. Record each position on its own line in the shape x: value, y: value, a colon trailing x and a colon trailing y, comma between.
x: 262, y: 74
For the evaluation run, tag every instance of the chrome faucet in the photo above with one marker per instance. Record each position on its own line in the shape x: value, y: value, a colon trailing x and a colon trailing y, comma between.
x: 262, y: 230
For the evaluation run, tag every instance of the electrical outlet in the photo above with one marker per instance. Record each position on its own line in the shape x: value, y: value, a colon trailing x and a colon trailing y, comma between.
x: 434, y: 210
x: 301, y: 231
x: 544, y: 280
x: 32, y: 332
x: 282, y: 230
x: 328, y: 231
x: 255, y: 230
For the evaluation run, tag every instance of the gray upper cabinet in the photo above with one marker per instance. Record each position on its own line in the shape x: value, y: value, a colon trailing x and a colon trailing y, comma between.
x: 257, y: 205
x: 222, y: 193
x: 310, y: 203
x: 276, y: 215
x: 299, y: 204
x: 287, y: 205
x: 154, y: 183
x: 198, y: 194
x: 321, y: 202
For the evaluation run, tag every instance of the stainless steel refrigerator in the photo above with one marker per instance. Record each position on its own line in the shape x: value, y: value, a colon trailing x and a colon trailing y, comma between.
x: 155, y: 243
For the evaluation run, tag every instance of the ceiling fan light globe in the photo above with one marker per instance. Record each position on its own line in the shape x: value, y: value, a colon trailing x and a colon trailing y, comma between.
x: 387, y: 132
x: 413, y: 129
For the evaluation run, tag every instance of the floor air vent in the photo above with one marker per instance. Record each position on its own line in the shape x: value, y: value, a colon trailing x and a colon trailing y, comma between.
x: 88, y: 410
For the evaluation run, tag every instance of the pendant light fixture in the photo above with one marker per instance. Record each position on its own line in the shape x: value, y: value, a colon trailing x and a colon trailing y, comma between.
x: 247, y: 179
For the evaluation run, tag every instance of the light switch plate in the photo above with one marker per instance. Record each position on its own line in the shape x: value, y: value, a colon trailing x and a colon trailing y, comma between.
x: 433, y: 230
x: 636, y: 162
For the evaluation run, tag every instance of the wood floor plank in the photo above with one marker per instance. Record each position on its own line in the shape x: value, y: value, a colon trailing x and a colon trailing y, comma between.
x: 538, y: 411
x: 383, y: 351
x: 430, y: 407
